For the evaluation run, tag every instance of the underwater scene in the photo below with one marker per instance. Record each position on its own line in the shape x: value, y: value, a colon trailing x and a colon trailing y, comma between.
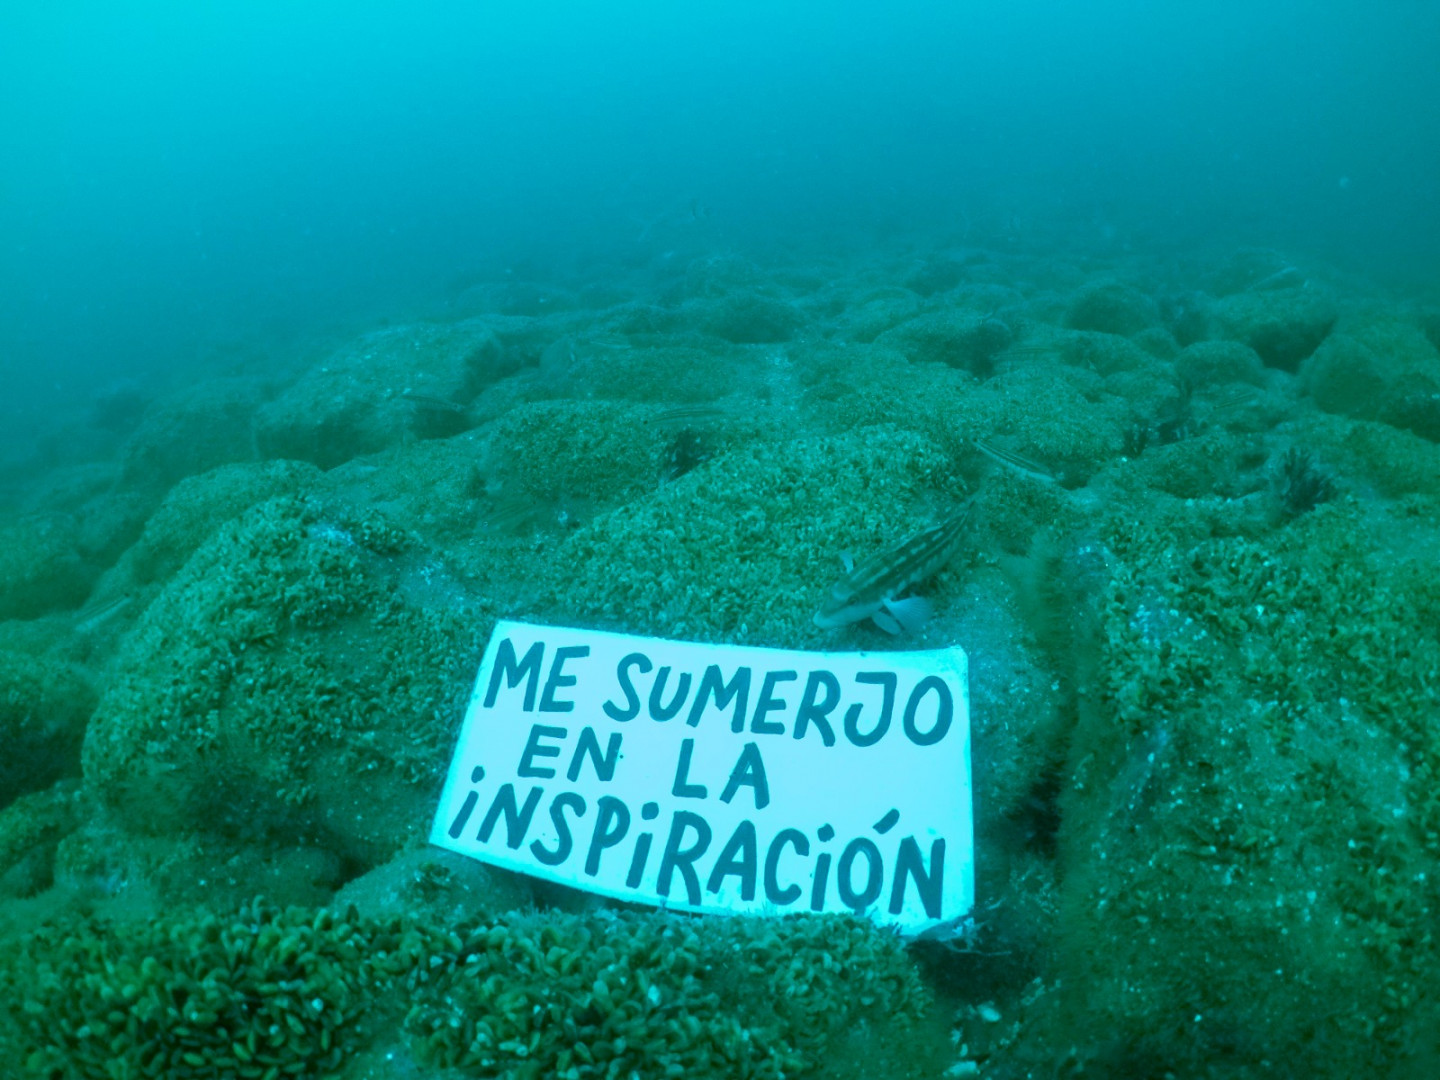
x: 1100, y: 341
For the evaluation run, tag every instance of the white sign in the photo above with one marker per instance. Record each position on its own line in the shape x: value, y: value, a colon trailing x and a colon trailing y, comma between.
x: 719, y: 778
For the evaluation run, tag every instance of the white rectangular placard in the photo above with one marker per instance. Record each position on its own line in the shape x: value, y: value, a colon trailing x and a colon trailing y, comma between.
x: 719, y: 778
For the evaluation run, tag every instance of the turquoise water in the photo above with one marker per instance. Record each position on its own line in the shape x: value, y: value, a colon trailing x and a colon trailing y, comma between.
x: 333, y: 337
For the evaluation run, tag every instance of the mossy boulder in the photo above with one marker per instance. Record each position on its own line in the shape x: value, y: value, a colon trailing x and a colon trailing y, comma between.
x: 1215, y: 363
x: 746, y: 318
x: 743, y: 548
x: 1429, y: 321
x: 1016, y: 711
x: 193, y: 430
x: 408, y: 382
x: 1381, y: 369
x: 1213, y: 463
x: 41, y: 566
x: 875, y: 311
x: 1375, y: 457
x: 1283, y: 326
x: 440, y: 886
x: 657, y: 369
x: 564, y: 461
x: 940, y: 273
x: 655, y: 995
x: 960, y: 339
x: 44, y: 705
x: 316, y: 993
x: 1105, y: 354
x: 299, y: 680
x: 30, y: 829
x: 1112, y: 307
x: 198, y: 505
x: 716, y: 276
x: 106, y: 513
x: 261, y: 992
x: 1247, y: 268
x: 1189, y: 317
x: 1248, y: 809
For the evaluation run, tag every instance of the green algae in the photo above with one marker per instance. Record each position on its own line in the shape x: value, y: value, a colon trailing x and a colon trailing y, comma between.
x: 272, y: 992
x: 31, y: 828
x: 261, y: 994
x: 1207, y: 850
x: 193, y: 430
x: 1379, y: 366
x: 41, y: 567
x: 741, y: 548
x: 1112, y: 307
x: 288, y: 679
x: 197, y: 506
x: 661, y: 996
x: 44, y: 706
x: 1254, y: 777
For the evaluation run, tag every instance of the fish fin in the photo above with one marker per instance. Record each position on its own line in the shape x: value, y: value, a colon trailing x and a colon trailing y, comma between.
x: 885, y: 622
x: 909, y: 614
x: 847, y: 561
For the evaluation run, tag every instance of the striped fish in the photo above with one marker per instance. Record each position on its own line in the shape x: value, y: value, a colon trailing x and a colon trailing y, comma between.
x: 1230, y: 400
x: 430, y: 401
x: 1015, y: 462
x: 93, y: 616
x: 873, y: 589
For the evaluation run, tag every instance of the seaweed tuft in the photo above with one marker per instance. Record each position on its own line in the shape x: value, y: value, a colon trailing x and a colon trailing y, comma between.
x: 1303, y: 483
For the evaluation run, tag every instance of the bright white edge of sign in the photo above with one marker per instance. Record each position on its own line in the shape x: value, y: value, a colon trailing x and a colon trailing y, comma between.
x: 720, y: 779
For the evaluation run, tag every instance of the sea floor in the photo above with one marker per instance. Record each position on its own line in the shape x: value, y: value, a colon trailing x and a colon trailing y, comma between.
x: 240, y: 616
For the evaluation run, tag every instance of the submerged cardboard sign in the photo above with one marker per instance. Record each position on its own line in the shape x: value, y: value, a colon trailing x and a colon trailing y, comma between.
x: 719, y: 778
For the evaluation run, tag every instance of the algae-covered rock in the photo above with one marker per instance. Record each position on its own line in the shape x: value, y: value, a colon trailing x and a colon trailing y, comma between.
x: 746, y: 318
x: 1211, y: 363
x: 1158, y: 342
x: 1106, y: 354
x: 570, y: 458
x: 1111, y: 307
x: 192, y: 430
x: 1379, y: 369
x: 870, y: 314
x: 1249, y: 811
x: 41, y: 566
x: 942, y: 272
x: 299, y: 680
x: 101, y: 867
x: 307, y: 993
x: 1283, y: 326
x: 655, y: 995
x: 716, y: 276
x: 1189, y: 317
x: 1015, y: 709
x: 1377, y: 457
x: 1251, y: 268
x: 1429, y: 320
x: 960, y: 339
x: 1216, y: 462
x: 197, y: 506
x: 261, y: 992
x: 744, y: 547
x: 656, y: 370
x: 408, y: 382
x: 438, y: 885
x: 69, y: 487
x: 43, y: 709
x: 1064, y: 418
x: 30, y: 829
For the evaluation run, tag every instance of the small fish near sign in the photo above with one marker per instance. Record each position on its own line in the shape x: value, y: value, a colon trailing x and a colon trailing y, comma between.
x: 720, y: 778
